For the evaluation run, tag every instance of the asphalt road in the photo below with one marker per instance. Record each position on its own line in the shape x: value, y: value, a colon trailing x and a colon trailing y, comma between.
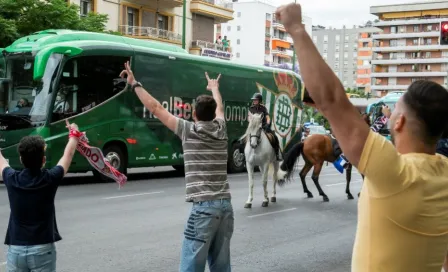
x: 139, y: 228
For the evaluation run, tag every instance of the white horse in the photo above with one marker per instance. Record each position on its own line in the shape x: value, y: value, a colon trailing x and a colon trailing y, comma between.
x: 259, y: 152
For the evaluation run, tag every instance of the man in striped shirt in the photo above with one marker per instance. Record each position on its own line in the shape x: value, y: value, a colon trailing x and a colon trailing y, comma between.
x: 210, y: 225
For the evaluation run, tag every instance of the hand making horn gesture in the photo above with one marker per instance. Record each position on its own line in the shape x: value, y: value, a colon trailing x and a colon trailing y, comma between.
x: 213, y: 84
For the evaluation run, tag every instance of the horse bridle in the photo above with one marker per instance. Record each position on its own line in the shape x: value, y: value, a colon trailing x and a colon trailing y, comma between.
x: 258, y: 136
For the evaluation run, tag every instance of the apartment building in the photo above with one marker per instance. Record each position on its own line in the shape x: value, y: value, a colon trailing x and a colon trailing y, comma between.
x: 365, y: 46
x: 161, y: 20
x: 409, y: 47
x: 256, y: 37
x: 339, y: 48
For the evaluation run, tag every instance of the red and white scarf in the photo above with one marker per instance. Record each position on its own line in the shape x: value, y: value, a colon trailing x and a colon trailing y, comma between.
x: 95, y: 157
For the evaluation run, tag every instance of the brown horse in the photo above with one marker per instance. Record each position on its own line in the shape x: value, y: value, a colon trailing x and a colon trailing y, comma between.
x: 315, y: 150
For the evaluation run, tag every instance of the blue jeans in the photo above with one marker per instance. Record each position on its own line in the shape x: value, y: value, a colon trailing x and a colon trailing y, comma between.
x: 207, y: 237
x: 38, y: 258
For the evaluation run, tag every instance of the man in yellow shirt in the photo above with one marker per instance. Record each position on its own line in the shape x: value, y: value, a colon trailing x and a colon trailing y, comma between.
x: 403, y: 209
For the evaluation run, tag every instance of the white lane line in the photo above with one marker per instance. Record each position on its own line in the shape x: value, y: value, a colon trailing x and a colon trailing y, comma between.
x: 342, y: 183
x: 261, y: 214
x: 113, y: 197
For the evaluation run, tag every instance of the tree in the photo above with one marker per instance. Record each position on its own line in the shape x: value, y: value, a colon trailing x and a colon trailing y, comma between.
x: 23, y: 17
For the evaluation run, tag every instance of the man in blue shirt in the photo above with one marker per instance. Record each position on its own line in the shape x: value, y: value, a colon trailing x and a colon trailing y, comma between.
x: 32, y: 229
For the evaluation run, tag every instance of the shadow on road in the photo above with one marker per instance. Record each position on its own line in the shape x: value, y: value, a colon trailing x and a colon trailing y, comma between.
x: 90, y: 179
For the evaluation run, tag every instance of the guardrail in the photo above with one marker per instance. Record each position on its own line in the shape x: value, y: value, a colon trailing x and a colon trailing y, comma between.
x: 147, y: 31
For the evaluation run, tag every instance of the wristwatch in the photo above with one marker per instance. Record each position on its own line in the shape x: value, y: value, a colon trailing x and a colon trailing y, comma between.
x: 135, y: 85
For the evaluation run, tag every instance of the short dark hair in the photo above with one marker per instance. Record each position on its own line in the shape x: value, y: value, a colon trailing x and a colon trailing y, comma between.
x: 428, y: 100
x: 32, y: 151
x: 205, y: 108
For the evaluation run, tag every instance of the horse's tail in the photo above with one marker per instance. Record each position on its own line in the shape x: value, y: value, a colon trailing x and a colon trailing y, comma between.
x: 286, y: 170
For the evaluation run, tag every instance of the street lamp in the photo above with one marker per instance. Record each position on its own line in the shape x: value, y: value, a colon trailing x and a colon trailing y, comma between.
x: 184, y: 22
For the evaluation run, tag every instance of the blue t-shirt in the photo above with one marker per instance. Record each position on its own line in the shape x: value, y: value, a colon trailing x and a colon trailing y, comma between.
x: 31, y: 198
x: 442, y: 147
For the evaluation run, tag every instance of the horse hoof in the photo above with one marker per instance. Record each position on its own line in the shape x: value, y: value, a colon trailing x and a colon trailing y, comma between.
x: 310, y: 195
x: 248, y: 205
x: 350, y: 197
x: 273, y: 199
x: 264, y: 204
x: 326, y: 199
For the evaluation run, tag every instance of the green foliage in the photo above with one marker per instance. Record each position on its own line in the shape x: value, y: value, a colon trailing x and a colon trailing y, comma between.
x: 19, y: 18
x: 355, y: 91
x: 309, y: 113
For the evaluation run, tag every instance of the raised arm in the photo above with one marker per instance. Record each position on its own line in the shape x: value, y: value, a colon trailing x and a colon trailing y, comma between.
x: 324, y: 87
x: 213, y: 86
x: 69, y: 151
x: 152, y: 104
x: 3, y: 163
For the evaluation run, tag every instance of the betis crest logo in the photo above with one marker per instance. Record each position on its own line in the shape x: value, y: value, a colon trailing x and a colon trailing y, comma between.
x: 284, y: 105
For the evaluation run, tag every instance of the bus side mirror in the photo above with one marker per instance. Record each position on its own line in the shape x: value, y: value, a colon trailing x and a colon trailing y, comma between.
x: 4, y: 85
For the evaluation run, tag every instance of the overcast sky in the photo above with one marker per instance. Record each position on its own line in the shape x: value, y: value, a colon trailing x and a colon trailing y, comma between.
x: 336, y: 13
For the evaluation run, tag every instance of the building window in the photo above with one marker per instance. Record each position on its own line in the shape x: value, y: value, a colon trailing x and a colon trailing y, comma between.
x: 238, y: 41
x: 238, y: 28
x: 416, y: 29
x: 355, y: 54
x: 428, y: 55
x: 402, y: 29
x: 162, y: 22
x: 428, y: 67
x: 86, y: 7
x: 238, y: 14
x: 429, y: 27
x: 228, y: 28
x: 346, y: 38
x: 393, y: 29
x: 325, y: 55
x: 346, y: 45
x: 237, y: 54
x: 345, y: 55
x: 415, y: 42
x: 428, y: 41
x: 326, y: 39
x: 268, y: 16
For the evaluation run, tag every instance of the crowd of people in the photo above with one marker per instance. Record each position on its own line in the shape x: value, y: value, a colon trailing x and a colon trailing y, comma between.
x: 402, y: 212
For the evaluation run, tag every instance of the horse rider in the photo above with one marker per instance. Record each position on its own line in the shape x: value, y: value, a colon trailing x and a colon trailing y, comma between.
x: 258, y: 108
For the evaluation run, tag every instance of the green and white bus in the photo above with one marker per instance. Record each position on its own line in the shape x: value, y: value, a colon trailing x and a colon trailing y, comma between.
x: 64, y: 74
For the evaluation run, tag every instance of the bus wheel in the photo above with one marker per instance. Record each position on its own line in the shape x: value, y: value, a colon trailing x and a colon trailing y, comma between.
x: 236, y: 162
x: 116, y: 157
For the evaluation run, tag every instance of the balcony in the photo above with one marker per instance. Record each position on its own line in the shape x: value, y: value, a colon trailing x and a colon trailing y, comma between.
x: 282, y: 53
x: 410, y: 74
x: 365, y: 39
x: 390, y: 36
x: 276, y: 24
x: 221, y: 11
x: 363, y: 76
x: 408, y: 22
x: 389, y: 87
x: 209, y: 49
x: 404, y: 48
x: 283, y: 38
x: 365, y: 49
x: 385, y: 61
x: 146, y: 32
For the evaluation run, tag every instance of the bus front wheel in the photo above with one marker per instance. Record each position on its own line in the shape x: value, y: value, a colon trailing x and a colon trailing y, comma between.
x: 236, y: 162
x: 115, y: 155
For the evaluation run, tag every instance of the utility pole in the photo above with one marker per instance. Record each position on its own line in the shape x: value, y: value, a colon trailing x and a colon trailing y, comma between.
x: 294, y: 53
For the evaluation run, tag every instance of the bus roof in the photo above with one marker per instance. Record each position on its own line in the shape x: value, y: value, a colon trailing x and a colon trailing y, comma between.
x: 52, y: 37
x: 41, y: 39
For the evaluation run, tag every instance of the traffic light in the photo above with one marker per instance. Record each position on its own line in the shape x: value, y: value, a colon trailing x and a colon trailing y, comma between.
x: 444, y: 33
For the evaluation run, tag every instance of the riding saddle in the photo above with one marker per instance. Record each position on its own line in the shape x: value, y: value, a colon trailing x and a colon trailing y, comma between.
x: 337, y: 151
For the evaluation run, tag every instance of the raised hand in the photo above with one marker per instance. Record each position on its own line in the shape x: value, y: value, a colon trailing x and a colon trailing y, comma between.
x: 290, y: 16
x: 213, y: 84
x: 386, y: 111
x: 128, y: 72
x: 71, y: 126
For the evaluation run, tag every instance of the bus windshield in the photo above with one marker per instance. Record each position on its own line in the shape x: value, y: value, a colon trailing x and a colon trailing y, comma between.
x: 26, y: 101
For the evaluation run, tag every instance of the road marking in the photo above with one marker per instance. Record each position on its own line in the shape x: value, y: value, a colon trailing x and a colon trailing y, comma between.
x: 261, y: 214
x: 151, y: 193
x: 341, y: 183
x: 3, y: 263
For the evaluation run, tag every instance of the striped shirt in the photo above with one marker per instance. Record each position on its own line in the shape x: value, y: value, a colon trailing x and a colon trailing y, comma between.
x: 205, y: 156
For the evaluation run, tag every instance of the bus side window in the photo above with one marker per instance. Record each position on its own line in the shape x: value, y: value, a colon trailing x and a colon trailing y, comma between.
x: 87, y: 82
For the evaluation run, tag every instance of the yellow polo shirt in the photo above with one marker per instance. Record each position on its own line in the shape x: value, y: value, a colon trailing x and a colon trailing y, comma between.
x: 402, y: 211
